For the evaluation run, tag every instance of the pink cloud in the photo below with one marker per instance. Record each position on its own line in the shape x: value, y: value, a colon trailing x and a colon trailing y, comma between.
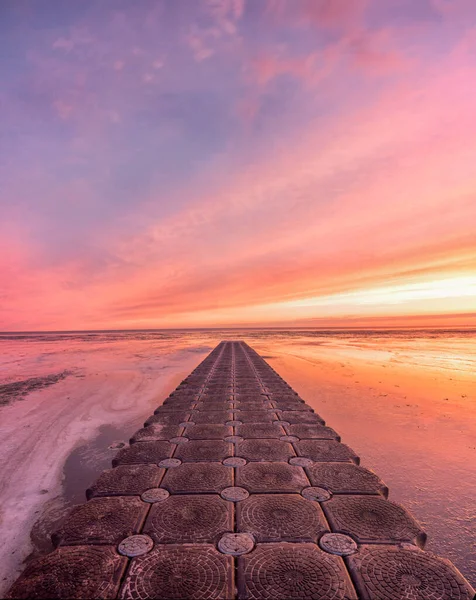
x: 331, y: 14
x: 334, y: 13
x: 268, y: 67
x: 376, y: 52
x: 225, y: 13
x: 64, y: 109
x: 198, y: 41
x: 78, y: 37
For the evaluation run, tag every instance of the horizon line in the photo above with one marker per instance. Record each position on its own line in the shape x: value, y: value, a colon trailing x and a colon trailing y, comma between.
x: 296, y: 327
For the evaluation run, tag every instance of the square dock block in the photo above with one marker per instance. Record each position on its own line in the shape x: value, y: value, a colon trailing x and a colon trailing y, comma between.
x: 224, y: 406
x: 280, y: 518
x: 265, y: 477
x: 298, y: 571
x: 208, y: 432
x: 155, y: 433
x: 168, y: 418
x: 299, y: 406
x: 204, y: 450
x: 126, y: 480
x: 300, y: 416
x: 326, y: 451
x: 72, y: 572
x: 189, y: 519
x: 260, y: 430
x: 102, y: 521
x: 312, y: 431
x: 265, y: 450
x: 393, y: 572
x: 372, y: 519
x: 198, y: 478
x: 143, y: 452
x: 212, y: 417
x: 181, y: 571
x: 262, y: 416
x: 345, y: 478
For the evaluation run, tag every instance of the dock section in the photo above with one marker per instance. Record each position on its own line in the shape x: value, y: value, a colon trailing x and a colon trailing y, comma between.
x: 236, y: 488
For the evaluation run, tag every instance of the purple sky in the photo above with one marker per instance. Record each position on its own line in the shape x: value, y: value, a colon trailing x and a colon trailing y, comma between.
x: 151, y: 150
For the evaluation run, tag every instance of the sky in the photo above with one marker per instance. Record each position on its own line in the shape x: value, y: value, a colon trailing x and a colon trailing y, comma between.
x: 197, y: 163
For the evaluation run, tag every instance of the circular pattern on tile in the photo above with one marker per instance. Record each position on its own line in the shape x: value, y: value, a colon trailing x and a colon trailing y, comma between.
x: 345, y: 477
x: 300, y: 461
x: 106, y: 520
x: 96, y: 570
x: 234, y: 423
x: 301, y: 416
x: 371, y: 518
x: 170, y: 463
x: 179, y: 571
x: 317, y: 494
x: 233, y: 439
x: 178, y: 440
x: 145, y: 452
x: 135, y: 545
x: 125, y: 480
x: 390, y: 573
x: 236, y: 543
x: 293, y: 571
x: 277, y: 477
x: 194, y: 519
x: 203, y: 451
x: 280, y: 518
x: 338, y: 543
x: 234, y: 461
x: 289, y: 438
x: 234, y: 494
x: 154, y: 495
x: 326, y: 451
x: 198, y: 477
x: 272, y: 450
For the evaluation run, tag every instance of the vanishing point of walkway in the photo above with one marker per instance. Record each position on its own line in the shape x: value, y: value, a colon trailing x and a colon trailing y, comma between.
x: 235, y: 488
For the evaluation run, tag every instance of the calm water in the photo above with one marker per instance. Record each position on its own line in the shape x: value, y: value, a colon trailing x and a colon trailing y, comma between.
x: 404, y: 401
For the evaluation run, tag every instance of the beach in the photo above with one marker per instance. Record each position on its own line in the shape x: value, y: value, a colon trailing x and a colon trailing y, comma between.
x: 55, y: 440
x: 404, y: 401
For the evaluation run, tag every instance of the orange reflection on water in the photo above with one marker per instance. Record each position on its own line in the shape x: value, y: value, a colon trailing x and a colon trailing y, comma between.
x: 406, y: 403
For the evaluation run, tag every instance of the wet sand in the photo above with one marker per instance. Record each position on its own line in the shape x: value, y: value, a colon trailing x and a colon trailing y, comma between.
x: 405, y: 403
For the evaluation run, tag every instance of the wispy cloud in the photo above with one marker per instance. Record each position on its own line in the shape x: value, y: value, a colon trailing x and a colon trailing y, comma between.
x: 227, y: 161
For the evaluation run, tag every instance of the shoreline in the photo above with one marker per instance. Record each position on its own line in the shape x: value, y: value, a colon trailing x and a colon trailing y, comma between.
x: 54, y: 422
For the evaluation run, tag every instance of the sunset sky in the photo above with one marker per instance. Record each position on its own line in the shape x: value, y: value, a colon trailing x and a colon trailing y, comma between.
x: 187, y: 163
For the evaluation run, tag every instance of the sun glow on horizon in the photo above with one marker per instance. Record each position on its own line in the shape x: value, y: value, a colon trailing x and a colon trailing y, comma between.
x: 441, y: 289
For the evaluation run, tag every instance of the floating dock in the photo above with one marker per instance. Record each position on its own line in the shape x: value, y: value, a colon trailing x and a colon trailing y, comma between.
x: 236, y: 488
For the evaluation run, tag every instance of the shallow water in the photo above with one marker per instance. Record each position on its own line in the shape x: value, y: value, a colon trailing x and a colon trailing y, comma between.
x: 404, y: 401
